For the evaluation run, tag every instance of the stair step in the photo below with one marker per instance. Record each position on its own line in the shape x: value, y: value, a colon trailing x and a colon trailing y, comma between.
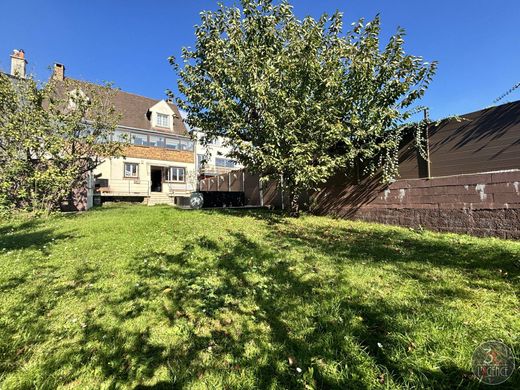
x: 159, y: 198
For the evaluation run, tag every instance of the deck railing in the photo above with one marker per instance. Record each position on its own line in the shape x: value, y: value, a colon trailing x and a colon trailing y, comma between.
x: 214, y: 170
x: 125, y: 187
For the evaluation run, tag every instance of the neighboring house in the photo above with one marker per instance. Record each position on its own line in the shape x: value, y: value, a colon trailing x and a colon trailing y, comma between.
x: 213, y: 160
x: 159, y: 164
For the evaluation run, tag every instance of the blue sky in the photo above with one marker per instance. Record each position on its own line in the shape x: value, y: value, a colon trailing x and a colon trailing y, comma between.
x: 476, y: 42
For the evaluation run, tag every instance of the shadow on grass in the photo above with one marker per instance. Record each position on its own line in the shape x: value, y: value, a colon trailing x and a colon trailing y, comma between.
x: 266, y: 215
x: 29, y: 314
x: 30, y: 234
x: 224, y: 297
x: 411, y: 251
x: 284, y: 296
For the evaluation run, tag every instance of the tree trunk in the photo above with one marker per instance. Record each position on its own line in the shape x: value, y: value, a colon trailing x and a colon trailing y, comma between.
x: 295, y: 203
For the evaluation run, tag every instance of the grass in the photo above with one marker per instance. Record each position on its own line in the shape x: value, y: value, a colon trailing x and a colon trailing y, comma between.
x: 154, y: 297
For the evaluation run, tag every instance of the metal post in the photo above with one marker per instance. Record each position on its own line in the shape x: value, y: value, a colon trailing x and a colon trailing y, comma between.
x: 427, y: 138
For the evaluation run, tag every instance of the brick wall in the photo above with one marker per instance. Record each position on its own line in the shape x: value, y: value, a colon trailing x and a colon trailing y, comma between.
x: 485, y: 204
x: 159, y: 154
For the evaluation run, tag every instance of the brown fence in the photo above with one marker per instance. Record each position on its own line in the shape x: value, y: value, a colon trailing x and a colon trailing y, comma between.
x: 228, y: 182
x: 256, y: 193
x: 482, y: 141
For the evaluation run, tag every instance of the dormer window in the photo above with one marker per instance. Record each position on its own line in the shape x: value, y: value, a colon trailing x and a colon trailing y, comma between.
x: 162, y: 120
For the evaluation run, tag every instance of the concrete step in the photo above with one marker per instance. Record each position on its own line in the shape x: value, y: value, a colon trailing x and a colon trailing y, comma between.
x: 159, y: 198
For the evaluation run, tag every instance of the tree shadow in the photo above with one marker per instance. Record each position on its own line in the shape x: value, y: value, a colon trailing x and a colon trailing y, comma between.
x: 119, y: 357
x: 30, y: 234
x: 224, y: 296
x: 481, y: 127
x: 406, y: 249
x: 266, y: 215
x: 282, y: 299
x: 122, y: 356
x: 29, y: 311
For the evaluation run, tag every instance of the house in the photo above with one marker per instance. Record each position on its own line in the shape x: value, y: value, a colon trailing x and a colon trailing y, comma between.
x: 162, y: 163
x: 159, y: 163
x: 213, y: 159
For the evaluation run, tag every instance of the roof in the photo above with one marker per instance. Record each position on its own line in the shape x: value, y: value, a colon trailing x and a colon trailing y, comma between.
x: 134, y: 110
x: 14, y: 79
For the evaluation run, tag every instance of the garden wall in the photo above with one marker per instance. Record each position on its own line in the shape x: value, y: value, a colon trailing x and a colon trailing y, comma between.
x: 484, y: 204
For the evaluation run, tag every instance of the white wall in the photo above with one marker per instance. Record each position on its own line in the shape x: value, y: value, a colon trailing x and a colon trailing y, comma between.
x: 212, y: 152
x: 163, y: 108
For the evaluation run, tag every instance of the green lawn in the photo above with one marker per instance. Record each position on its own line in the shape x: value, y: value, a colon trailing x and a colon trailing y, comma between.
x: 154, y: 297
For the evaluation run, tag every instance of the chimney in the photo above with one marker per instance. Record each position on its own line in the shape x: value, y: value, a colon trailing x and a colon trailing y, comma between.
x: 18, y: 63
x: 58, y: 72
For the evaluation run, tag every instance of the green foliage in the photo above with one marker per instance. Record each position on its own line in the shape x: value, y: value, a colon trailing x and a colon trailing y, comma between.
x: 51, y: 136
x: 156, y: 297
x: 300, y: 99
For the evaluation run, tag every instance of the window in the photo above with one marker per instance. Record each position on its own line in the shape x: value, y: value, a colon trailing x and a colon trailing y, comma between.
x: 121, y: 136
x: 201, y: 160
x: 131, y: 170
x: 214, y: 142
x: 103, y: 139
x: 175, y: 174
x: 172, y: 143
x: 157, y: 141
x: 163, y: 120
x: 184, y: 145
x: 139, y: 139
x: 224, y: 162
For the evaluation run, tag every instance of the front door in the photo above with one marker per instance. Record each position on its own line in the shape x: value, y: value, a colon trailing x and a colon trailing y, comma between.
x: 156, y: 176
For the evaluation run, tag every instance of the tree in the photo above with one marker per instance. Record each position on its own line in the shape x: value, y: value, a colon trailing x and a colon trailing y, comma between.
x: 51, y: 136
x: 299, y: 99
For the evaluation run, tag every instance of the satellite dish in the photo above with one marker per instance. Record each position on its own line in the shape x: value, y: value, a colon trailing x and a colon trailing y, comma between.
x: 196, y: 200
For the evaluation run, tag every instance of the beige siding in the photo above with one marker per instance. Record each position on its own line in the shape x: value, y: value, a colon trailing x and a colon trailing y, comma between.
x: 113, y: 170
